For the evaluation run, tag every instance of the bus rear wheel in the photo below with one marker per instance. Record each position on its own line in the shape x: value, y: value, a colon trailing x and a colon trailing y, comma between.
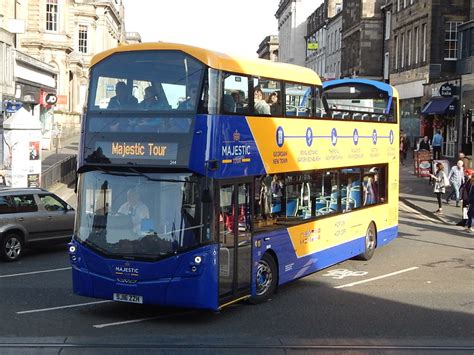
x: 266, y: 279
x: 370, y: 242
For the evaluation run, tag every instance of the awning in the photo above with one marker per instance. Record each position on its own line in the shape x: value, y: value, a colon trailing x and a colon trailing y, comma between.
x: 440, y: 106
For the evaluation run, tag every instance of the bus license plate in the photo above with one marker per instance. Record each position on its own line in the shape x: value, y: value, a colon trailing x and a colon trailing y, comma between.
x: 122, y: 297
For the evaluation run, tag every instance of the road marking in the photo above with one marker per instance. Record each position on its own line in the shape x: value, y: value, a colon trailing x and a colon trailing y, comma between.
x: 339, y: 274
x: 62, y: 307
x: 378, y: 277
x: 34, y: 272
x: 141, y: 319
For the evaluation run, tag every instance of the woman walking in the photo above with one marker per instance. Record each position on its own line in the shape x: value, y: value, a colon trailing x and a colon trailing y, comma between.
x: 439, y: 187
x: 469, y: 193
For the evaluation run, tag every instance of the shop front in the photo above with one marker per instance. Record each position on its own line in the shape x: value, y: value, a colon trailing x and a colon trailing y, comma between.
x: 439, y: 114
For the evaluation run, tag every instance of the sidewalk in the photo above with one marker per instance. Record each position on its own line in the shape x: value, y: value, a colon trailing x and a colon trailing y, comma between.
x: 417, y: 193
x: 50, y: 157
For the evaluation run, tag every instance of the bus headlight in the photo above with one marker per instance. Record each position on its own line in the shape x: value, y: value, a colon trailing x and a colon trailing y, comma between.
x: 197, y: 259
x: 72, y: 249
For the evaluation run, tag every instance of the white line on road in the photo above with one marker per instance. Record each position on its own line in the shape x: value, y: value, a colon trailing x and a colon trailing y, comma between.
x: 62, y: 307
x: 34, y: 272
x: 378, y: 277
x: 141, y: 320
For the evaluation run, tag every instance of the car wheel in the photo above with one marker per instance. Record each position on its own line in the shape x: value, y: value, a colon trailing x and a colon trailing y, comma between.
x: 266, y: 279
x: 11, y: 247
x: 370, y: 243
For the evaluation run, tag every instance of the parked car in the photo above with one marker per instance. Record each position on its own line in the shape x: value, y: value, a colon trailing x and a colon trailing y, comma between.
x: 29, y: 216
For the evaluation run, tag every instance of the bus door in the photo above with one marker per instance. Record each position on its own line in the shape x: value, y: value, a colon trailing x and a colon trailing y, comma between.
x: 234, y: 240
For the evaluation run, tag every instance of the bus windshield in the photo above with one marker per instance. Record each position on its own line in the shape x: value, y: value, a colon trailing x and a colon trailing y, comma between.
x: 146, y: 81
x: 146, y: 216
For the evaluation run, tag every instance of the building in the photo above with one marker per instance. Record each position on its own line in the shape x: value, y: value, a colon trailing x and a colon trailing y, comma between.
x: 268, y: 48
x: 333, y: 56
x: 465, y: 66
x: 423, y: 54
x: 292, y: 16
x: 323, y: 39
x: 362, y: 39
x: 65, y: 35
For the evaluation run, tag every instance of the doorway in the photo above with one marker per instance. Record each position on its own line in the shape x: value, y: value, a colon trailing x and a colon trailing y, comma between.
x: 235, y: 236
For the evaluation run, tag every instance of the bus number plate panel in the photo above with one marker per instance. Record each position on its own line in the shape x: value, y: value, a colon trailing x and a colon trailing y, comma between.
x: 122, y: 297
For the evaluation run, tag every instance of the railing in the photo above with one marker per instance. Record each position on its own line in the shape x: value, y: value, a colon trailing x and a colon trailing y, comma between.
x: 63, y: 171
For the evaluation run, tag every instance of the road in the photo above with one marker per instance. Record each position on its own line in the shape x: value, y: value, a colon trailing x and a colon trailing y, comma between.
x: 415, y: 295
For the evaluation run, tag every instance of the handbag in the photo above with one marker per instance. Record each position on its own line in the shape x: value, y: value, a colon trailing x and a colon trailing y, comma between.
x: 464, y: 212
x: 445, y: 180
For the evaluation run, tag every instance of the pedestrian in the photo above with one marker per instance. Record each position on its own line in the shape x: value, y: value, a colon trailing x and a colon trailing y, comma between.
x: 441, y: 180
x: 437, y: 143
x: 425, y: 144
x: 464, y: 191
x: 403, y: 153
x: 470, y: 210
x: 456, y: 179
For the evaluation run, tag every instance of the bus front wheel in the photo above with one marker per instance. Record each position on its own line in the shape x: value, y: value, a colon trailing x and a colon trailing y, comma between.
x: 370, y: 242
x: 266, y: 279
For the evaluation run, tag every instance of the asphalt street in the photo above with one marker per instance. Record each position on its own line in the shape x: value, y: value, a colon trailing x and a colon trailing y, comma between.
x: 414, y: 295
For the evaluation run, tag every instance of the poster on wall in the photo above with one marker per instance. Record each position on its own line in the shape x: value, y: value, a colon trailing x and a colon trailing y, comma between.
x: 34, y: 149
x: 33, y: 180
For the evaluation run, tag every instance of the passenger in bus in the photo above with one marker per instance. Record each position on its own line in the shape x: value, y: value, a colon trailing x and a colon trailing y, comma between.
x: 369, y: 193
x: 261, y: 107
x: 150, y: 100
x: 123, y: 98
x: 275, y: 107
x: 134, y: 208
x: 189, y: 102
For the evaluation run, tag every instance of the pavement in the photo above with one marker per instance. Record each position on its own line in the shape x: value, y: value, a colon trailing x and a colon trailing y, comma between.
x: 415, y: 192
x: 50, y: 157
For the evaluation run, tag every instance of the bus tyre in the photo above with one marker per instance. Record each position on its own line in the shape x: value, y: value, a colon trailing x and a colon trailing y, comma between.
x: 11, y: 247
x: 370, y: 242
x: 266, y: 279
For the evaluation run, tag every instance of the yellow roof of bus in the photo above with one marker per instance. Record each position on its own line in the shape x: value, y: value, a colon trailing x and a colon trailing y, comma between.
x: 216, y: 60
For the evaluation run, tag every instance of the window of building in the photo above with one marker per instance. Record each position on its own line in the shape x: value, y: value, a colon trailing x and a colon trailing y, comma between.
x: 451, y: 41
x: 388, y: 21
x: 405, y: 3
x: 409, y: 48
x: 82, y: 38
x: 386, y: 66
x: 417, y: 45
x: 399, y: 5
x: 51, y: 15
x: 467, y: 43
x: 396, y: 52
x: 423, y: 42
x: 402, y: 61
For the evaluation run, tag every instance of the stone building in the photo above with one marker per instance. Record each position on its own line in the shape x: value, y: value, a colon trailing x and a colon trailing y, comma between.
x: 323, y: 40
x: 268, y: 48
x: 65, y: 34
x: 423, y: 54
x: 362, y: 39
x: 465, y: 66
x: 291, y: 16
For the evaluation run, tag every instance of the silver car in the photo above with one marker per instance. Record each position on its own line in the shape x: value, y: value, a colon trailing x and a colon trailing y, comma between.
x: 29, y: 216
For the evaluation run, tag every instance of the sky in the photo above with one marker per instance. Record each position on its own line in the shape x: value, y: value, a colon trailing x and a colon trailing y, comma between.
x: 233, y: 27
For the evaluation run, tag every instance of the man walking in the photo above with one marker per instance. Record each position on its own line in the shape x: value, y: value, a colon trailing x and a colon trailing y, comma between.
x: 456, y: 179
x: 437, y: 143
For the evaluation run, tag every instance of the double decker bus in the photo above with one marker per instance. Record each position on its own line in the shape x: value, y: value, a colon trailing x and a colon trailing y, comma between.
x: 191, y: 194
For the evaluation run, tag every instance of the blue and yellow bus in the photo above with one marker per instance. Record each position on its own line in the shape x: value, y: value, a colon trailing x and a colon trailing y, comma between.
x: 197, y: 189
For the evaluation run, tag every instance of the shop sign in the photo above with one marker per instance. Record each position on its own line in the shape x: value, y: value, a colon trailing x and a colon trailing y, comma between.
x: 12, y: 107
x: 446, y: 90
